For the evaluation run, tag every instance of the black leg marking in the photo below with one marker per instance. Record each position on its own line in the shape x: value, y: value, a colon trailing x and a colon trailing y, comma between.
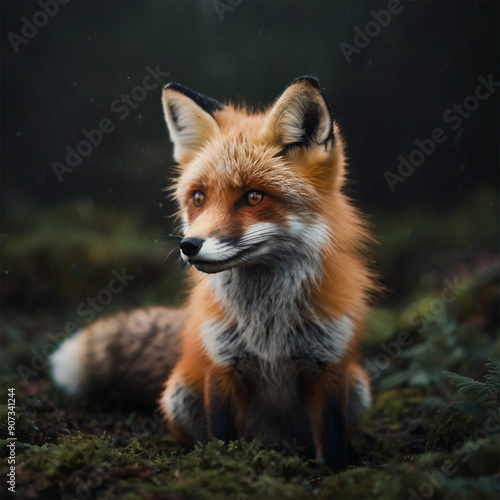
x: 221, y: 417
x: 334, y: 436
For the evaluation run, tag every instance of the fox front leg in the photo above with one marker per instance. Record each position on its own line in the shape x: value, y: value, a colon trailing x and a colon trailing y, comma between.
x: 333, y: 441
x: 183, y: 407
x: 221, y: 420
x: 326, y: 402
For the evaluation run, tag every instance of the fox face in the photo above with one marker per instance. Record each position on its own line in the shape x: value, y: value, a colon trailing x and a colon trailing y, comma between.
x: 253, y: 187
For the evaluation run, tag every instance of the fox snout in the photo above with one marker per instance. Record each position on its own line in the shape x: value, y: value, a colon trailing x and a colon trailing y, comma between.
x: 213, y: 254
x: 208, y: 255
x: 191, y: 246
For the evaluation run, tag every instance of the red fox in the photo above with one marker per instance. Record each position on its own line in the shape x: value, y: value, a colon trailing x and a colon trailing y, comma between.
x: 268, y: 344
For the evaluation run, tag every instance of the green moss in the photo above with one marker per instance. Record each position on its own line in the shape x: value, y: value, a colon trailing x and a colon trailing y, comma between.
x: 363, y: 483
x: 216, y: 470
x: 80, y: 463
x: 73, y: 453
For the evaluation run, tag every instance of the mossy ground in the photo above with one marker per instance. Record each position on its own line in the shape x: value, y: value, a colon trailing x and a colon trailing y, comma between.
x: 417, y: 441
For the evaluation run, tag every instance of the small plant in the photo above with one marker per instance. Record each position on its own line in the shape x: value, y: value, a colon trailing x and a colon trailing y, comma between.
x: 485, y: 394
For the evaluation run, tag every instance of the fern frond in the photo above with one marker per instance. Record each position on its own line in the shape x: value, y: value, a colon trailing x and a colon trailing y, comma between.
x: 486, y: 392
x: 465, y: 384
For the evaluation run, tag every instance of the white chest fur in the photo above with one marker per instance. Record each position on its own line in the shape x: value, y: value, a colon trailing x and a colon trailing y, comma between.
x: 269, y: 316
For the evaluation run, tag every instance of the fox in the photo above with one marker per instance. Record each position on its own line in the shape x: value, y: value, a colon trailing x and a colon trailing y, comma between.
x: 268, y: 343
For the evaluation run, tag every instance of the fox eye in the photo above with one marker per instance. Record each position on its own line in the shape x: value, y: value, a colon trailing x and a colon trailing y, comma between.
x: 253, y: 198
x: 198, y: 199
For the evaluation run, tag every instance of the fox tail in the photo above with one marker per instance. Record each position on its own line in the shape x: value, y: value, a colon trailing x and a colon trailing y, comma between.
x: 126, y: 358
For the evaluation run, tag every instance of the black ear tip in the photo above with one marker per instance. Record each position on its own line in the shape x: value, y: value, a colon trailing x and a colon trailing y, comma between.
x: 311, y: 80
x: 206, y: 103
x: 174, y: 86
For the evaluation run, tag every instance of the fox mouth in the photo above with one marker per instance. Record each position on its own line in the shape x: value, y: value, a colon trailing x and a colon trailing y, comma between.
x: 243, y: 258
x: 212, y: 267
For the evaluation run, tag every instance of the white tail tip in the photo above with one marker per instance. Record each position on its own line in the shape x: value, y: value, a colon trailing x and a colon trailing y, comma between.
x: 67, y: 367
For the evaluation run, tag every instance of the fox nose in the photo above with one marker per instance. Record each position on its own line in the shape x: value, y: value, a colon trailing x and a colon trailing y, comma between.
x: 191, y: 246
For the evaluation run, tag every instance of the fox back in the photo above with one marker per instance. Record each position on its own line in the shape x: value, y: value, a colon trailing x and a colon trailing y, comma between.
x: 269, y: 339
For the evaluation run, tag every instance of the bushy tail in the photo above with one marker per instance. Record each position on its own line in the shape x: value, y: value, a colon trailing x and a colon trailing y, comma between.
x: 125, y: 359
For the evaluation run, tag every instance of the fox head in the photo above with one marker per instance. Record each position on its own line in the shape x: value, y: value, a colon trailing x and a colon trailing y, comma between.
x: 254, y: 187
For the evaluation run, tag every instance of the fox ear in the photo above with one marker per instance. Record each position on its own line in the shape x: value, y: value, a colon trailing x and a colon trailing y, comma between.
x: 301, y: 116
x: 190, y: 119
